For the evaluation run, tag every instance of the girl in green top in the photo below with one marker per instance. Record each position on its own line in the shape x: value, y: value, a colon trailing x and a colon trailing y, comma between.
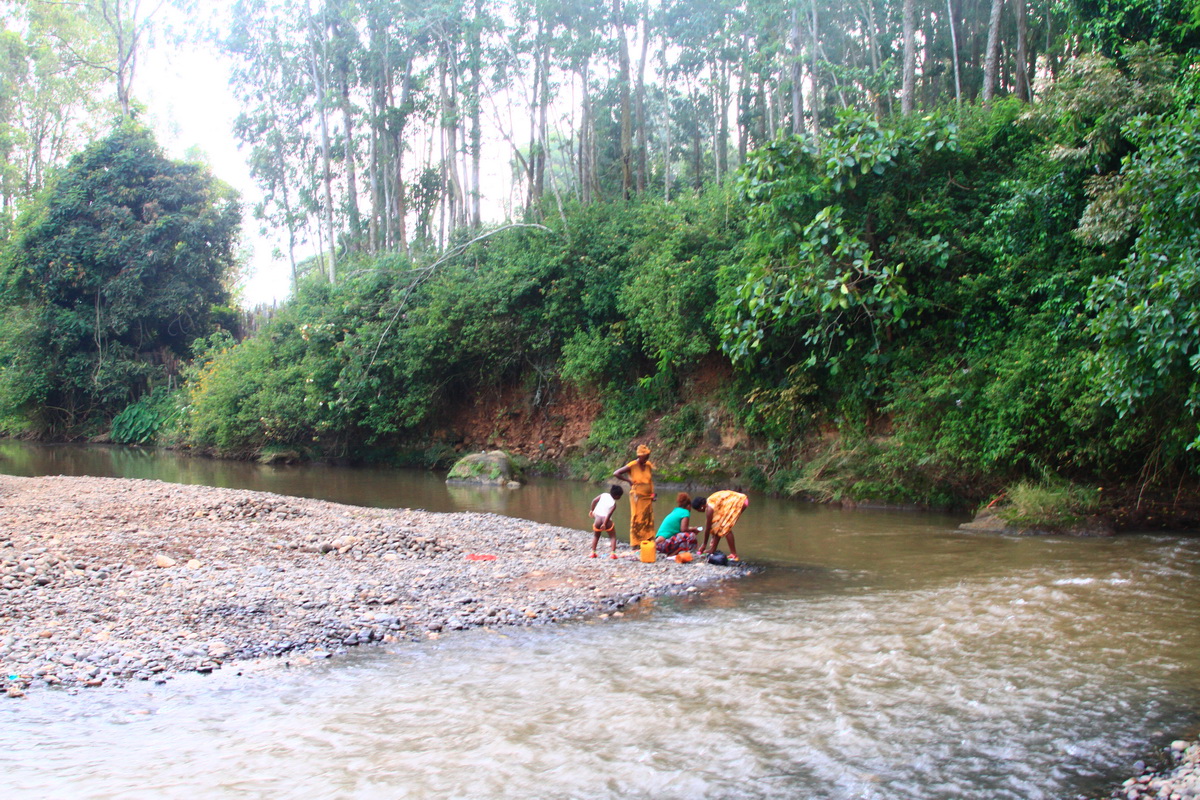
x: 675, y: 534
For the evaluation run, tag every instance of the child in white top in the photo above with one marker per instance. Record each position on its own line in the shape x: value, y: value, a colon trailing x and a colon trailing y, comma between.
x: 603, y: 506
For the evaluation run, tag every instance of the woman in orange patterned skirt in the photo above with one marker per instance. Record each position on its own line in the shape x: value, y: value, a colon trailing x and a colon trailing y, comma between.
x: 721, y: 513
x: 639, y: 475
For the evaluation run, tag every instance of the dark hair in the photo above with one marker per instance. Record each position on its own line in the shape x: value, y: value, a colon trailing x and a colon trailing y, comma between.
x: 616, y: 491
x: 683, y: 499
x: 699, y: 503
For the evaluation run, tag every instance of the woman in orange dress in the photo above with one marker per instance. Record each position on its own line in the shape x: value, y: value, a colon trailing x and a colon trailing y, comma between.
x: 721, y: 512
x: 639, y: 475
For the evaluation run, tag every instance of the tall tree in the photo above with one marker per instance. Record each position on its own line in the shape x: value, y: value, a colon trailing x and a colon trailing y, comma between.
x: 51, y: 97
x: 796, y: 69
x: 1021, y: 58
x: 122, y: 264
x: 991, y: 69
x: 908, y: 85
x: 623, y: 89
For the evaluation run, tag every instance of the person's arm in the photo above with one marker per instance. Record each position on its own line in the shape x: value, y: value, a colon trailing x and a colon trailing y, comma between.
x: 708, y: 512
x: 595, y: 500
x: 622, y: 474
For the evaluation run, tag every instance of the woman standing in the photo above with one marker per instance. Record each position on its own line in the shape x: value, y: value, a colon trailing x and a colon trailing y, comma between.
x: 639, y: 475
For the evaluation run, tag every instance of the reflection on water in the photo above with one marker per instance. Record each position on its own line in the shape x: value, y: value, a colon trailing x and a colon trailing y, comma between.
x: 881, y: 655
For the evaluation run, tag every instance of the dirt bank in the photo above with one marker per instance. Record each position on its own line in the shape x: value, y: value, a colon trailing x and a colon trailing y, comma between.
x: 105, y: 580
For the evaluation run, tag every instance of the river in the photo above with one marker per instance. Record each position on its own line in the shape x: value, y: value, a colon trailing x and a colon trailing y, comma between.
x: 879, y: 654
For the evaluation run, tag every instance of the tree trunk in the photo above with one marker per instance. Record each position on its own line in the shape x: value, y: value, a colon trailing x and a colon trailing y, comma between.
x: 718, y: 133
x: 873, y: 48
x: 451, y: 185
x: 796, y: 69
x: 992, y: 58
x: 667, y: 156
x: 458, y: 172
x: 320, y: 89
x: 952, y: 18
x: 585, y: 137
x: 766, y: 99
x: 1022, y: 55
x: 531, y: 196
x: 543, y: 159
x: 908, y: 82
x: 373, y: 178
x: 351, y: 169
x: 640, y: 103
x: 399, y: 194
x: 815, y: 97
x: 743, y: 104
x: 476, y: 55
x: 1051, y: 56
x: 126, y: 30
x: 623, y: 84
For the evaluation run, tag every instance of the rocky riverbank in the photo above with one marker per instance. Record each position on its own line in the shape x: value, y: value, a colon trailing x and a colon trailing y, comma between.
x: 104, y: 581
x: 1181, y: 781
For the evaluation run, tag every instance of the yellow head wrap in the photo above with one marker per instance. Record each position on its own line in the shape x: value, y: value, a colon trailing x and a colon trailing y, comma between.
x: 643, y: 450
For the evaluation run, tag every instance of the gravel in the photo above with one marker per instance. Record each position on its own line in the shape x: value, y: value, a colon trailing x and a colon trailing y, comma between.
x: 104, y: 581
x: 1180, y: 781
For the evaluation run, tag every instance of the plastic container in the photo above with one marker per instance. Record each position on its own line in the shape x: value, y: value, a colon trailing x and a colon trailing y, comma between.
x: 649, y: 553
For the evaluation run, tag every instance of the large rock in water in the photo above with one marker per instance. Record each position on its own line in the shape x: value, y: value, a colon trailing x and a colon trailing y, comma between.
x: 493, y: 468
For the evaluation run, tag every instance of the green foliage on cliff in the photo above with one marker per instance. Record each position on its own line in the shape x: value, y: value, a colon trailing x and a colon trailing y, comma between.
x: 625, y: 294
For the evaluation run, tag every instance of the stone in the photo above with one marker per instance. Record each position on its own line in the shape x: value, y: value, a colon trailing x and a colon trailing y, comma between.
x: 493, y: 468
x: 163, y: 562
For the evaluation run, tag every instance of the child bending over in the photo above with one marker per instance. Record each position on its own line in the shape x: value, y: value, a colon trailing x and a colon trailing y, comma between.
x: 603, y: 506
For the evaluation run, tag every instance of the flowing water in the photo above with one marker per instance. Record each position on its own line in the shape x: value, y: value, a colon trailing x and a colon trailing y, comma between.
x: 878, y: 655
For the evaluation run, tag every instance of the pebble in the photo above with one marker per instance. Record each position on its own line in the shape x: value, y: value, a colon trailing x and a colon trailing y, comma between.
x: 263, y: 575
x: 1178, y: 782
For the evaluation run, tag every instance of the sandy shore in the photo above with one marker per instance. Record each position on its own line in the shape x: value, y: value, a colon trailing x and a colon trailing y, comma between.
x: 103, y: 581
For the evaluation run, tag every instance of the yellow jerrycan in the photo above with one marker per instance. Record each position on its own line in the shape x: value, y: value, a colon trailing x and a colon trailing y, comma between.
x: 649, y: 553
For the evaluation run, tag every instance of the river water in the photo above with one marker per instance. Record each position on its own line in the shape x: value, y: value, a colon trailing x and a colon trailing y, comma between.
x: 879, y: 654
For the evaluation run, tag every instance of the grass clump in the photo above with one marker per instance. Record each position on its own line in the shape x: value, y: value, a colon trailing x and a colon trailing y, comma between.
x: 1047, y: 504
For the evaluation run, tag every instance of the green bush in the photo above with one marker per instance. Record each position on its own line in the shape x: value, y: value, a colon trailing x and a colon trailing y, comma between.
x: 143, y: 421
